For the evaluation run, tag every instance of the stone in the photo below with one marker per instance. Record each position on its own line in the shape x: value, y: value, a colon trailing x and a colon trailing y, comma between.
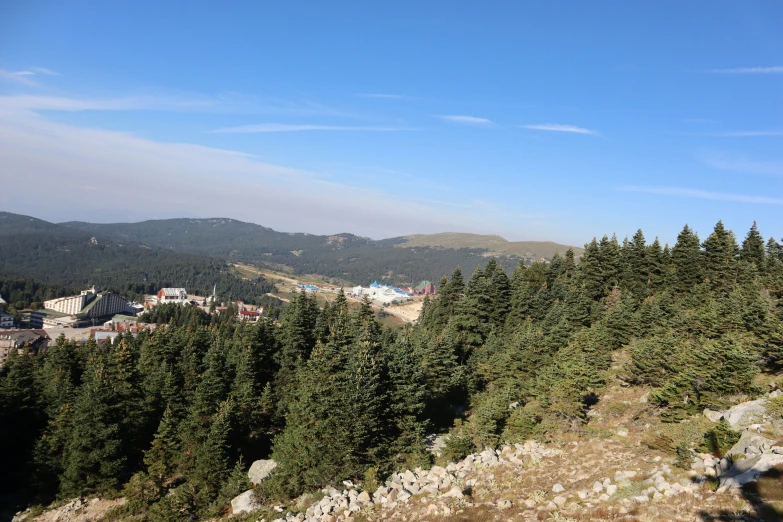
x: 245, y: 503
x: 557, y: 488
x: 749, y: 469
x: 641, y: 498
x: 454, y: 492
x: 622, y: 432
x: 560, y: 500
x: 504, y: 504
x: 260, y: 470
x: 598, y: 487
x: 774, y: 394
x: 749, y: 444
x: 435, y: 444
x: 611, y: 489
x: 746, y: 413
x: 364, y: 497
x: 604, y: 497
x: 530, y: 503
x: 712, y: 415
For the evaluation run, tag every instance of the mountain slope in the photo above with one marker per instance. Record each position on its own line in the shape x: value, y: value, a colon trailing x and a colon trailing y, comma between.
x: 43, y: 251
x: 344, y: 258
x: 492, y: 243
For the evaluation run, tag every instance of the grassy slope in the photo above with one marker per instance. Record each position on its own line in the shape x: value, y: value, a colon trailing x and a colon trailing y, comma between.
x: 491, y: 242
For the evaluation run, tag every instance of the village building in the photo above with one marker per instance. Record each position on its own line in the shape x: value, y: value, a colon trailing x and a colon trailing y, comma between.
x: 6, y: 319
x: 382, y: 294
x: 36, y: 340
x: 173, y: 295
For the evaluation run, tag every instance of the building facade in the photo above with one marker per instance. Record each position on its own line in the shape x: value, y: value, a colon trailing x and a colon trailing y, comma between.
x: 10, y: 340
x: 172, y: 295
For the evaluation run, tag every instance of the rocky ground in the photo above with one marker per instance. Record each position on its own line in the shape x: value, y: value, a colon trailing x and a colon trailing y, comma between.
x: 616, y: 468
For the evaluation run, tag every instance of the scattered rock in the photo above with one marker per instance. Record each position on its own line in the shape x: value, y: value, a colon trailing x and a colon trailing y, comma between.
x: 557, y: 488
x: 245, y: 503
x: 260, y: 470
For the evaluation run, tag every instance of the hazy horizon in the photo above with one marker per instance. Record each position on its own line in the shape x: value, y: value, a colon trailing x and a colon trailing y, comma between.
x: 534, y: 122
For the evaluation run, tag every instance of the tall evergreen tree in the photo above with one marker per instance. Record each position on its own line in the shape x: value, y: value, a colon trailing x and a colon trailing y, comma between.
x: 686, y: 260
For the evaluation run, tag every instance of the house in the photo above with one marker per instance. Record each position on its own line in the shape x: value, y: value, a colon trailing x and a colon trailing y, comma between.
x: 36, y: 340
x: 248, y: 315
x: 426, y: 288
x: 172, y: 295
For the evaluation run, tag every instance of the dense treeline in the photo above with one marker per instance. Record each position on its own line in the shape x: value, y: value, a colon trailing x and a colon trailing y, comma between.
x: 343, y: 257
x: 28, y: 293
x: 174, y: 417
x: 35, y: 249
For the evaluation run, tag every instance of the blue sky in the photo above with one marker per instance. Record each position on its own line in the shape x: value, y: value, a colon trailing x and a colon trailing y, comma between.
x: 549, y: 120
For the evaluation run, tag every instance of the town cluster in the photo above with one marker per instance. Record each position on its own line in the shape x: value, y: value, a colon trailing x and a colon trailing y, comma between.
x: 98, y: 315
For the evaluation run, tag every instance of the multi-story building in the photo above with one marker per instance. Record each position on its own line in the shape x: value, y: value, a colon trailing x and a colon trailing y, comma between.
x: 71, y: 305
x: 172, y: 295
x: 36, y: 340
x: 72, y: 310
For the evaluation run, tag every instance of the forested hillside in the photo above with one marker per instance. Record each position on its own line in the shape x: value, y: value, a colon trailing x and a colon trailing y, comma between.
x: 171, y: 419
x: 36, y: 249
x: 343, y: 257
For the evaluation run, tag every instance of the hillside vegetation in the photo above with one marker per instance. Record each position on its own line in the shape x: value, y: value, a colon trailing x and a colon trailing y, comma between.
x: 493, y: 244
x: 172, y: 419
x: 341, y: 257
x: 42, y: 251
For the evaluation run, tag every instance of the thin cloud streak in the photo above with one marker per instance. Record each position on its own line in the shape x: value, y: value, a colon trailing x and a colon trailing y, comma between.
x: 775, y: 69
x: 702, y: 194
x: 743, y: 165
x: 466, y: 120
x: 285, y: 127
x: 17, y: 78
x: 386, y: 96
x: 746, y: 134
x: 44, y: 70
x: 555, y: 127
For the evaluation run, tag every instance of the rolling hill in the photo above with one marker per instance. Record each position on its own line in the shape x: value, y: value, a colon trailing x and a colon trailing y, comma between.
x: 342, y: 258
x: 493, y: 244
x: 39, y: 250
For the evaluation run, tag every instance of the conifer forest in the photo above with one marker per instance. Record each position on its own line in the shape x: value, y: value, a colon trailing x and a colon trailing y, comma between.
x: 171, y: 419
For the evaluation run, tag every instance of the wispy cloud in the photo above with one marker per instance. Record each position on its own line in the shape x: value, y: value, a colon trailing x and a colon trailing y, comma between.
x: 702, y: 194
x: 24, y: 73
x: 745, y: 134
x: 18, y: 78
x: 723, y: 161
x: 466, y: 120
x: 44, y: 70
x: 286, y: 127
x: 31, y: 145
x: 775, y: 69
x: 387, y: 96
x: 226, y: 103
x: 560, y: 128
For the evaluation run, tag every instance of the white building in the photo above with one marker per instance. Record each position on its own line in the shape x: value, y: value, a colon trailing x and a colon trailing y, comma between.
x: 382, y: 294
x: 172, y: 295
x: 71, y: 305
x: 88, y: 304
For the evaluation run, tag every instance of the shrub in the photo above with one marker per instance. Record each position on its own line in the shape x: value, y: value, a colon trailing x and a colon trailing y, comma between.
x: 683, y: 456
x: 719, y: 439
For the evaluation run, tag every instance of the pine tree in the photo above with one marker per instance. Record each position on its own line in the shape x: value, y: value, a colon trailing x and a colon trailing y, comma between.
x: 720, y: 257
x: 686, y: 260
x: 753, y: 249
x: 94, y: 458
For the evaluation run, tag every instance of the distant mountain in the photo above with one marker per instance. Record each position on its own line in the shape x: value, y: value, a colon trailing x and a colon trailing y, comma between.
x: 31, y: 248
x: 344, y: 258
x: 494, y: 244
